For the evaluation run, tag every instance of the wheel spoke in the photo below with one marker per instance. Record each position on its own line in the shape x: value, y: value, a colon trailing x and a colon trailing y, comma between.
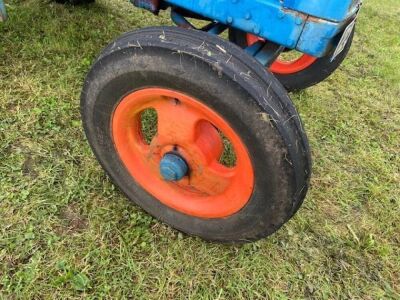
x: 176, y: 122
x: 212, y: 179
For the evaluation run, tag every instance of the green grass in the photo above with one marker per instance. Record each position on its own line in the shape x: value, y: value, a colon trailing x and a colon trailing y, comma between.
x: 67, y: 232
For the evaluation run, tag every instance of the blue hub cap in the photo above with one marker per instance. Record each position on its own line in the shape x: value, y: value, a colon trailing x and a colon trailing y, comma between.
x: 173, y: 167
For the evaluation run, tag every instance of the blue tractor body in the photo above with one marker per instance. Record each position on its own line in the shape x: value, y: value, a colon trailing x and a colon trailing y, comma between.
x: 310, y: 26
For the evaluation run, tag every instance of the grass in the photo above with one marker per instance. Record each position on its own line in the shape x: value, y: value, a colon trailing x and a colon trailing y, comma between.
x: 67, y: 232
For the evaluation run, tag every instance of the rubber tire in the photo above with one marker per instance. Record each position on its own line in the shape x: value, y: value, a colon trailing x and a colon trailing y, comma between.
x: 74, y: 2
x: 321, y: 69
x: 223, y: 77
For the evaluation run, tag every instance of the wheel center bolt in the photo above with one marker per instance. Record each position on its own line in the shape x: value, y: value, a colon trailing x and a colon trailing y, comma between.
x: 173, y: 167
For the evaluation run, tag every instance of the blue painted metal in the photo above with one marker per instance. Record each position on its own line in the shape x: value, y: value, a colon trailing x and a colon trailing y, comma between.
x: 317, y: 37
x: 295, y: 24
x: 265, y: 53
x: 3, y: 13
x: 331, y: 10
x: 252, y: 50
x: 180, y: 20
x: 264, y: 18
x: 269, y: 53
x: 173, y: 167
x: 216, y: 28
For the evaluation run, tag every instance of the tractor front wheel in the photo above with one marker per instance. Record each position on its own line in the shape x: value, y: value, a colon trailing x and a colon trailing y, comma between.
x: 197, y: 133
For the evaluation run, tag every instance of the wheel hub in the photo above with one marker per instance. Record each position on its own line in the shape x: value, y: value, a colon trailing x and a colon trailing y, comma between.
x: 173, y: 167
x: 188, y: 137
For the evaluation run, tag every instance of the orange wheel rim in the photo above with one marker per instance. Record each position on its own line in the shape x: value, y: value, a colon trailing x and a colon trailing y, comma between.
x: 184, y: 125
x: 280, y: 66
